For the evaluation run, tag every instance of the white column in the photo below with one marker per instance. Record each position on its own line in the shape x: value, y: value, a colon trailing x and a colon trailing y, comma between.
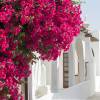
x: 54, y: 77
x: 57, y: 74
x: 31, y: 89
x: 60, y: 71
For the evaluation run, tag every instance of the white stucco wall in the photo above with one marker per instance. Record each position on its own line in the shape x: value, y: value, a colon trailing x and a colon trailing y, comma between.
x: 97, y: 89
x: 54, y: 75
x: 95, y: 47
x: 84, y: 89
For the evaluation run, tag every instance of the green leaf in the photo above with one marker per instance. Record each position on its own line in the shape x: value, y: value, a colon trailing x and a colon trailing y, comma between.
x: 6, y: 89
x: 24, y: 27
x: 1, y: 25
x: 21, y: 34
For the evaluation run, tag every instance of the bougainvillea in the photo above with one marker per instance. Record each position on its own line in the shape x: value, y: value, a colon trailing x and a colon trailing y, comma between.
x: 26, y: 26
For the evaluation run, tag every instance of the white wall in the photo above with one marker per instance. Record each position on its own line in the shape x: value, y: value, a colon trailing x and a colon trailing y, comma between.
x: 77, y: 91
x: 85, y: 88
x: 96, y: 49
x: 71, y: 67
x: 97, y: 84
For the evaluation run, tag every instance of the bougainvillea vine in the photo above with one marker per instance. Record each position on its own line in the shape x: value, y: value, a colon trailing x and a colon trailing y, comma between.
x: 26, y: 26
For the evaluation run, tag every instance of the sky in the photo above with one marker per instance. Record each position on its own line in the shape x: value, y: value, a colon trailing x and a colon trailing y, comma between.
x: 91, y: 13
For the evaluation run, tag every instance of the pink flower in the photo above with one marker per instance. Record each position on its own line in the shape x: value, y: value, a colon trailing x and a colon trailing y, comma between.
x: 6, y: 13
x: 16, y: 30
x: 1, y: 85
x: 2, y: 74
x: 3, y: 98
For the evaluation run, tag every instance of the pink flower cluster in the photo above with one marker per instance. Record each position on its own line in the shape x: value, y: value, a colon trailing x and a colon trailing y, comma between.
x: 45, y: 26
x: 53, y: 26
x: 11, y: 74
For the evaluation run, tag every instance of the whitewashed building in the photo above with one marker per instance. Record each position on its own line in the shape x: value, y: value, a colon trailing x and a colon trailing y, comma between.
x: 72, y: 76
